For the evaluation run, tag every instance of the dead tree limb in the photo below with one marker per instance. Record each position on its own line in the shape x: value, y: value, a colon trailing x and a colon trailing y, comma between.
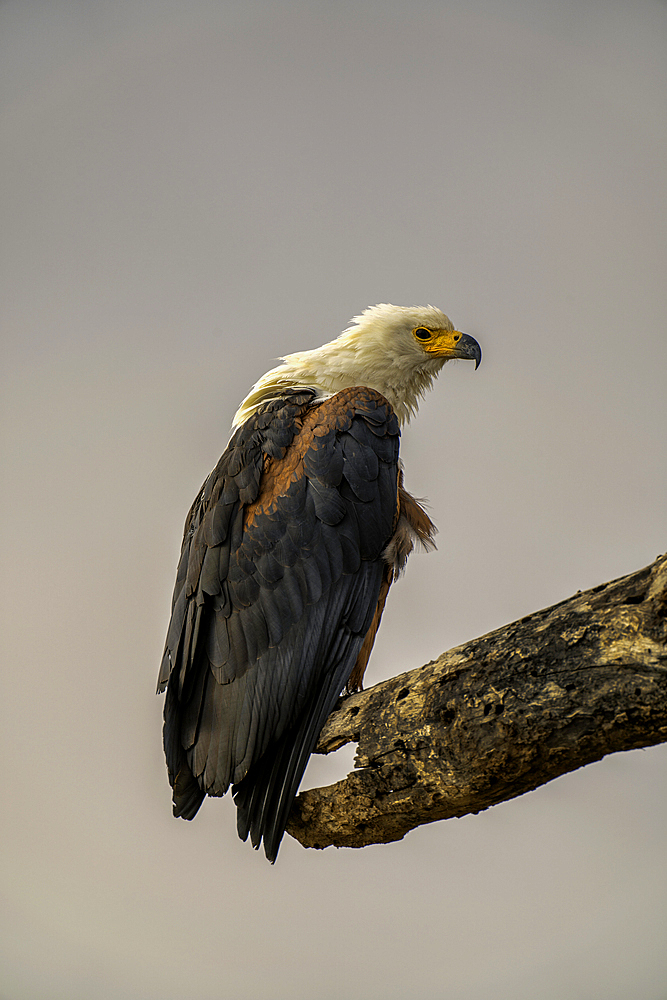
x: 498, y: 716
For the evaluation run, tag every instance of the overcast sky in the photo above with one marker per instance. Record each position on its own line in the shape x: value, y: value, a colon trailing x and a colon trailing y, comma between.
x: 189, y: 191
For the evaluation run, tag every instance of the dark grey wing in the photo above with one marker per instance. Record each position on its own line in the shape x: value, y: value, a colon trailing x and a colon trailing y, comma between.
x: 275, y: 605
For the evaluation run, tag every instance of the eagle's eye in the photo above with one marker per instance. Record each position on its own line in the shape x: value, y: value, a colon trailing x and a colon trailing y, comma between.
x: 421, y: 333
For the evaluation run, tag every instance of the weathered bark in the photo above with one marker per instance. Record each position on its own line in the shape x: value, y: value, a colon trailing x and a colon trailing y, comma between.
x: 498, y: 716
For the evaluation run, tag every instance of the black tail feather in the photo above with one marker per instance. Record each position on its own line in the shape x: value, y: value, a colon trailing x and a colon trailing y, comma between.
x: 264, y: 797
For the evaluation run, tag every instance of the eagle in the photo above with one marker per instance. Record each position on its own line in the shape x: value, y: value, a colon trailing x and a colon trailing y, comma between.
x: 289, y: 551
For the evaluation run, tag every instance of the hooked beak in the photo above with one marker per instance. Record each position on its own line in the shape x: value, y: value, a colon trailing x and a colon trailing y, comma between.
x: 468, y: 348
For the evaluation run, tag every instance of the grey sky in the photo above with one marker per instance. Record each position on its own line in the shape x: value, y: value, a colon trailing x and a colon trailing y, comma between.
x: 190, y: 191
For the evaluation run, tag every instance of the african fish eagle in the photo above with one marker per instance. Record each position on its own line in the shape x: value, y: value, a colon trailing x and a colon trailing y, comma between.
x: 289, y: 551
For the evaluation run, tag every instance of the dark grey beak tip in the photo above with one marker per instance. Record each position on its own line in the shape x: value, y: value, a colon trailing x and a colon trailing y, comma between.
x: 470, y: 349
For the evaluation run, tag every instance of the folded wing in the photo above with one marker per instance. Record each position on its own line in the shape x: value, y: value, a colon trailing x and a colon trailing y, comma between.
x: 278, y: 584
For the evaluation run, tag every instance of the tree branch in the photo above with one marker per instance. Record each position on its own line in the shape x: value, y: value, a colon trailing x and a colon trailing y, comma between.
x: 498, y: 716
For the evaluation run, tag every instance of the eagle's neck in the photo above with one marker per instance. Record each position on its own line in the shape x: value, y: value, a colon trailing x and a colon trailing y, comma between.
x: 343, y: 363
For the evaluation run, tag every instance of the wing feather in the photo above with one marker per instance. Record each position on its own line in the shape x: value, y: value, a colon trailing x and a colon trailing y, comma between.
x: 277, y: 586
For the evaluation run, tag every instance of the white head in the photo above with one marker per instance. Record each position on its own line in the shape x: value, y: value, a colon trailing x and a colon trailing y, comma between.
x: 396, y: 350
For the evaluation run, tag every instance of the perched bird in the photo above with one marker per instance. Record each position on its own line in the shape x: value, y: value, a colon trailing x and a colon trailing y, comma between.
x: 288, y: 554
